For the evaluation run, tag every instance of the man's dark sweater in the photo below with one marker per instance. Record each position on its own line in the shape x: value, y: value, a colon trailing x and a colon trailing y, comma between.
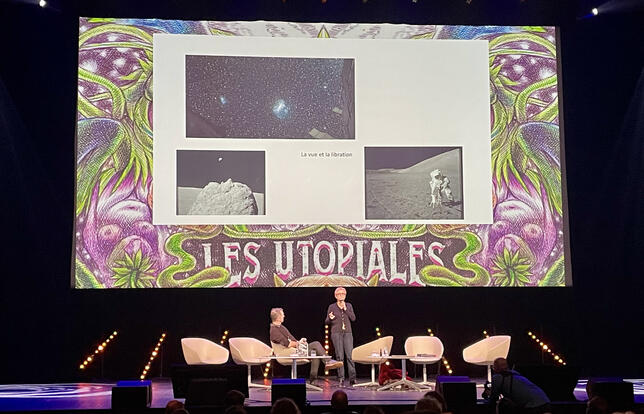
x: 518, y: 389
x: 280, y: 335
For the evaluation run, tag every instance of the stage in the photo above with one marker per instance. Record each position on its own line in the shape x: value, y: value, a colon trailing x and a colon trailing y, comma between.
x: 97, y: 397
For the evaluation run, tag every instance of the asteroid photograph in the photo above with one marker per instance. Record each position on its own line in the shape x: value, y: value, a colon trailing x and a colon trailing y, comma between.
x: 216, y: 183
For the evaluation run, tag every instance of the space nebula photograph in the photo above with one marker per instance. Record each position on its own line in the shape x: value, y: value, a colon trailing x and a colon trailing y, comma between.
x: 413, y: 183
x: 216, y: 183
x: 269, y: 97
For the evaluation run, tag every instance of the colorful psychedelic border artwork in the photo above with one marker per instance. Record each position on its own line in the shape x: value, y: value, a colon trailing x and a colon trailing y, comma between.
x: 117, y: 246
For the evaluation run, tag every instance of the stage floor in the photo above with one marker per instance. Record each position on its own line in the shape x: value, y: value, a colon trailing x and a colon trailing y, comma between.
x: 97, y: 396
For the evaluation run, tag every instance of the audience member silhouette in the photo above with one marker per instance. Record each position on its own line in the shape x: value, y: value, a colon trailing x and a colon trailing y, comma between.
x: 597, y: 405
x: 439, y: 398
x: 340, y: 403
x: 234, y: 397
x: 428, y: 405
x: 172, y: 406
x: 372, y: 409
x: 285, y: 406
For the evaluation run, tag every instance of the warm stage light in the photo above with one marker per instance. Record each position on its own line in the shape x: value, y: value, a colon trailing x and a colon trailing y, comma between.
x: 100, y: 347
x: 153, y: 354
x: 82, y: 366
x: 595, y: 11
x: 546, y: 348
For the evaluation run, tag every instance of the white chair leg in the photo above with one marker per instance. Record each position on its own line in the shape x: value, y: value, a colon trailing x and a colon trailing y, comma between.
x: 251, y: 385
x: 373, y: 379
x: 425, y: 384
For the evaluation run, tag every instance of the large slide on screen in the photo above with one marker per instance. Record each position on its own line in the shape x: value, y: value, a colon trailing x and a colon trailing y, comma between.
x: 272, y: 154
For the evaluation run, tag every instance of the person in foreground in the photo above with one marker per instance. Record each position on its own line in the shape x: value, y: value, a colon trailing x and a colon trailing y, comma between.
x: 285, y: 406
x: 173, y: 406
x: 519, y: 394
x: 281, y: 336
x: 340, y: 403
x: 428, y: 405
x: 340, y: 315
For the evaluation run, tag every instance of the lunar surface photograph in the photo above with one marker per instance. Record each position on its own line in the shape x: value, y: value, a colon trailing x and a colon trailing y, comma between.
x: 413, y: 183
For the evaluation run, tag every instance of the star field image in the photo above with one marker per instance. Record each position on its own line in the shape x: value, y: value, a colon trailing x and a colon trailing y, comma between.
x: 269, y: 97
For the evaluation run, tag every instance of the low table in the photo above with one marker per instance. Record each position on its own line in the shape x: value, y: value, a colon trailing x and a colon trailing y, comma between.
x: 294, y: 359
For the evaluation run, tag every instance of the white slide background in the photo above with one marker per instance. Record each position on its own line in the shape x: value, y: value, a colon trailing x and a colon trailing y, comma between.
x: 407, y: 93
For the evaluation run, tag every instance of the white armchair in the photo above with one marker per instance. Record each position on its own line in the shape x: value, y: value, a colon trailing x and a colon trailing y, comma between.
x: 200, y: 351
x: 365, y: 354
x: 484, y: 352
x: 281, y: 350
x: 424, y: 345
x: 249, y: 352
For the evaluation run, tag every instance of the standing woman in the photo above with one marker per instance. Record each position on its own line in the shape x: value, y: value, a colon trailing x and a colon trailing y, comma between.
x: 340, y: 315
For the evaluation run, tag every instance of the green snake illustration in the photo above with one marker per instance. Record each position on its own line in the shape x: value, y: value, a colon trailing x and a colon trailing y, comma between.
x: 214, y: 276
x: 434, y: 275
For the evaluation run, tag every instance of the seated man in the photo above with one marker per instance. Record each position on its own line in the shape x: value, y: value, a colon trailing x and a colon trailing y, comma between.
x: 280, y: 335
x: 526, y: 396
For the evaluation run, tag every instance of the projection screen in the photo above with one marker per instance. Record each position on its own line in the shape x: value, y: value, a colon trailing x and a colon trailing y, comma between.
x: 235, y: 154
